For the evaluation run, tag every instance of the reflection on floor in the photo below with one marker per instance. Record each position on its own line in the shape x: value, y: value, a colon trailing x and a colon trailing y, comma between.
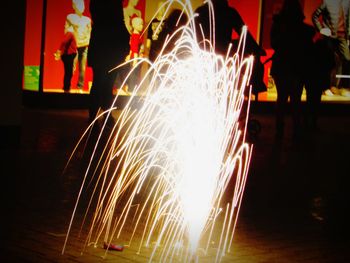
x: 71, y: 91
x: 269, y: 95
x: 79, y: 91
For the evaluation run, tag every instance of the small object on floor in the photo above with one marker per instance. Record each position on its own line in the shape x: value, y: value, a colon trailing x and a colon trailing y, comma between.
x: 113, y: 247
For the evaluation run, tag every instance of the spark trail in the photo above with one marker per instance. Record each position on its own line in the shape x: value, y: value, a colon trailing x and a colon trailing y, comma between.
x: 168, y: 163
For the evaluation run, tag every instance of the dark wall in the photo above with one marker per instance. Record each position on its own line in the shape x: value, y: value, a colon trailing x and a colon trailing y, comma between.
x: 12, y: 20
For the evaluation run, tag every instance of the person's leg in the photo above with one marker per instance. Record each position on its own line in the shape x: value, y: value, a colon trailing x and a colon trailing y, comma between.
x: 82, y: 59
x: 281, y: 104
x: 95, y: 93
x: 316, y: 107
x: 107, y: 90
x: 68, y: 61
x: 296, y: 90
x: 134, y: 78
x: 334, y: 46
x: 344, y: 54
x: 107, y: 97
x: 311, y: 87
x: 120, y: 77
x: 342, y: 59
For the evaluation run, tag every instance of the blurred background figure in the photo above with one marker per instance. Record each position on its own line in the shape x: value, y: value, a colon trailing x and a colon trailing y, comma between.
x: 67, y: 53
x: 331, y: 19
x: 319, y: 80
x: 136, y: 41
x: 153, y: 43
x: 227, y: 20
x: 175, y: 20
x: 109, y: 45
x: 292, y: 40
x: 82, y: 28
x: 130, y: 11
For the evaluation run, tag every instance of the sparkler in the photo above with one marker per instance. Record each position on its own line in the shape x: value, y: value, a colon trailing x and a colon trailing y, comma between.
x: 167, y: 165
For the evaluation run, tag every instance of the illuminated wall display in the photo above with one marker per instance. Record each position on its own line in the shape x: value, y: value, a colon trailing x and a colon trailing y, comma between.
x: 45, y: 25
x: 45, y: 22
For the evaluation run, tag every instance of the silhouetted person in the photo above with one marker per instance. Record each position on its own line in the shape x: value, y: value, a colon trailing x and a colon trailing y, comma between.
x: 227, y: 19
x: 175, y: 20
x: 319, y: 79
x: 291, y: 40
x: 109, y: 45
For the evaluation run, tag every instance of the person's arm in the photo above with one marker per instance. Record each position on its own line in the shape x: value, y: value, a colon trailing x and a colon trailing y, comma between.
x: 67, y: 39
x: 89, y: 28
x: 316, y: 17
x: 237, y: 20
x: 149, y: 36
x: 252, y: 47
x: 127, y: 20
x: 86, y: 34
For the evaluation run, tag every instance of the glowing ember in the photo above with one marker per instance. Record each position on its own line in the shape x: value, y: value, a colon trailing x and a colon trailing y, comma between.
x: 169, y: 162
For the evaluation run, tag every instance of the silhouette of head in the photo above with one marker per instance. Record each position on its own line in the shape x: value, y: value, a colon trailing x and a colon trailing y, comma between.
x: 79, y: 6
x: 137, y: 24
x: 176, y: 18
x: 292, y: 9
x: 219, y: 2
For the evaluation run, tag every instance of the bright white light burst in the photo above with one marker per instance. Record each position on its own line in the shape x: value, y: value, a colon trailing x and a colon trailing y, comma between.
x: 167, y: 163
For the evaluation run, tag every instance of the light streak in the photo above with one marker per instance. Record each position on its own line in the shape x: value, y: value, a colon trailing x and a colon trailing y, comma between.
x: 168, y: 163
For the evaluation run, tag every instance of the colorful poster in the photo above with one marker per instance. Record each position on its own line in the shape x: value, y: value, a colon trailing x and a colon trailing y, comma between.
x: 31, y: 78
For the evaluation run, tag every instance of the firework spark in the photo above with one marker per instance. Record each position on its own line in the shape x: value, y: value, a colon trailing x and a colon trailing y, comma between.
x: 169, y: 162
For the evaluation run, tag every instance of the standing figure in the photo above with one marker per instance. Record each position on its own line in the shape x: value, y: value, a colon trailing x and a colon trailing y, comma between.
x: 67, y: 53
x: 155, y: 28
x: 109, y: 45
x: 82, y: 29
x: 136, y: 41
x: 319, y: 80
x: 228, y: 19
x: 131, y: 12
x: 331, y: 18
x: 291, y: 40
